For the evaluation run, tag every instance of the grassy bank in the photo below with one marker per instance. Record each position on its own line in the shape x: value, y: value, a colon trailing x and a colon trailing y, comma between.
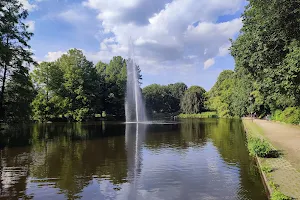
x: 198, y: 116
x: 267, y: 159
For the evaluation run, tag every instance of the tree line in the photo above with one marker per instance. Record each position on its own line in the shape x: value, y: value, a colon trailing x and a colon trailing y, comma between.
x: 174, y: 98
x: 266, y: 78
x: 70, y: 88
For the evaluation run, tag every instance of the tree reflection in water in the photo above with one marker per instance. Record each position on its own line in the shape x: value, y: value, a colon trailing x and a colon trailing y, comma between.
x: 195, y: 158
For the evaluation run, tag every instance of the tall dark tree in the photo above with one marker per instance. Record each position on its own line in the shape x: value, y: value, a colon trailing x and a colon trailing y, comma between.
x: 18, y: 96
x: 14, y: 47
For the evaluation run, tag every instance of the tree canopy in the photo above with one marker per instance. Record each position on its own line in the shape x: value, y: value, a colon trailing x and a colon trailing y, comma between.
x: 193, y: 100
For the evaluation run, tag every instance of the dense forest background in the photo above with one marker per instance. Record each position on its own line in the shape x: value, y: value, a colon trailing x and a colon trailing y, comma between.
x: 265, y: 80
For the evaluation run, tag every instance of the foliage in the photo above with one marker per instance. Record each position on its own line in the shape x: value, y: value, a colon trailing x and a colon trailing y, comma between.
x: 290, y: 115
x: 164, y: 98
x: 266, y: 169
x: 268, y: 49
x: 259, y: 147
x: 221, y: 93
x: 18, y: 96
x: 73, y: 88
x: 277, y: 195
x: 115, y: 76
x: 193, y: 100
x: 201, y: 115
x: 14, y: 53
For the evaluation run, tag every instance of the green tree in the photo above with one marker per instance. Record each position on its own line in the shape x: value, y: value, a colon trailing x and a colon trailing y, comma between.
x: 76, y: 69
x: 14, y: 47
x: 19, y: 96
x: 220, y: 96
x: 164, y: 99
x: 44, y: 77
x: 115, y: 78
x: 267, y: 48
x: 193, y: 100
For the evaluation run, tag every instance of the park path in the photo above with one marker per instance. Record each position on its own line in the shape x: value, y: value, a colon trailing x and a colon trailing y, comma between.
x: 285, y: 138
x: 285, y: 174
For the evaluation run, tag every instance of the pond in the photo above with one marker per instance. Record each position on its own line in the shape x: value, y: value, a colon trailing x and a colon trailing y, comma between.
x: 191, y: 159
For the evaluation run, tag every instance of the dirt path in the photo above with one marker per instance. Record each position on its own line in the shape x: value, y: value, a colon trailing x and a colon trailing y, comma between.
x: 285, y: 138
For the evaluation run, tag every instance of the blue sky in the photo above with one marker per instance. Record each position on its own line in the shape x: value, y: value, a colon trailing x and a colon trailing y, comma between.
x: 174, y: 40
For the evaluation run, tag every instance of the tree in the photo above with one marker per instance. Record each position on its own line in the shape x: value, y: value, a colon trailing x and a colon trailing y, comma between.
x: 265, y: 49
x: 115, y: 78
x: 178, y: 89
x: 220, y: 96
x: 14, y: 47
x: 76, y: 69
x: 164, y: 99
x: 43, y: 76
x: 19, y: 96
x: 193, y: 100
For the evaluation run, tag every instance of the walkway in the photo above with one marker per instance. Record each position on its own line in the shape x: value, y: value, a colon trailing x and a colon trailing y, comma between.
x: 286, y: 139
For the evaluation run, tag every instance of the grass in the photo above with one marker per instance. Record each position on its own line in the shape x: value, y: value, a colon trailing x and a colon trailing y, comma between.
x: 200, y: 115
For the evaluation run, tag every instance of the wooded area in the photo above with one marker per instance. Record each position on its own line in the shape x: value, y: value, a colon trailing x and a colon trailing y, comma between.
x: 266, y: 78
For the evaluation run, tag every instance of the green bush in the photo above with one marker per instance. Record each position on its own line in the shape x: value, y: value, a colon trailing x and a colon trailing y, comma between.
x: 267, y: 169
x: 200, y: 115
x: 259, y: 147
x: 277, y: 115
x: 279, y: 196
x: 290, y: 115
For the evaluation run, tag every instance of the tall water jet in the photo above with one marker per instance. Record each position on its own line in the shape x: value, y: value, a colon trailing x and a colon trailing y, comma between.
x: 134, y: 105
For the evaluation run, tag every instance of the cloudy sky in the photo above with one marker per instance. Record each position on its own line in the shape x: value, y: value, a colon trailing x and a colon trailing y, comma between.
x: 174, y: 40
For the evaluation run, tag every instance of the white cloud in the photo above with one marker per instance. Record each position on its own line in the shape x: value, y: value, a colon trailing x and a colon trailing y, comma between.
x: 53, y: 56
x: 31, y: 26
x: 208, y: 63
x: 163, y: 30
x: 224, y: 49
x: 28, y: 6
x: 73, y: 16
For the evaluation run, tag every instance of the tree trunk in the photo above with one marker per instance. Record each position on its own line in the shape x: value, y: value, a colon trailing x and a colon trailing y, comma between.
x: 2, y: 94
x: 2, y: 110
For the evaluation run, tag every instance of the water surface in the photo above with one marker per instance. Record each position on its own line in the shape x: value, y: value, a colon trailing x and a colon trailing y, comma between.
x: 194, y: 159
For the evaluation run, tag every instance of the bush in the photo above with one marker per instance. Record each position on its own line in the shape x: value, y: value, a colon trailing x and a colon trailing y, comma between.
x: 277, y: 115
x: 267, y: 169
x: 201, y: 115
x: 290, y: 115
x: 279, y: 196
x: 259, y: 147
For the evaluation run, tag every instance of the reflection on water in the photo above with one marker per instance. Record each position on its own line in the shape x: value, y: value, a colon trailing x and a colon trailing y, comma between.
x: 195, y: 159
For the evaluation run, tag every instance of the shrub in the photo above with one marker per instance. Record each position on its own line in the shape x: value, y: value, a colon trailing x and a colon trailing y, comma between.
x: 200, y: 115
x: 277, y: 115
x: 279, y: 196
x: 259, y: 147
x: 267, y: 169
x: 290, y: 115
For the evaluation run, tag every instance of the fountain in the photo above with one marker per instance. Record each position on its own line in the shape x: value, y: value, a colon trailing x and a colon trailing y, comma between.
x: 134, y: 105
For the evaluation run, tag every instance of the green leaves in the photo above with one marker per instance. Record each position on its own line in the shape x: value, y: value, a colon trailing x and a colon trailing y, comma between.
x: 74, y: 89
x: 164, y: 98
x: 193, y: 100
x: 268, y: 49
x: 14, y: 54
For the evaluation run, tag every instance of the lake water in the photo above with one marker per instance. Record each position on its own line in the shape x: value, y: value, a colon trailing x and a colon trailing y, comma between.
x: 191, y: 159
